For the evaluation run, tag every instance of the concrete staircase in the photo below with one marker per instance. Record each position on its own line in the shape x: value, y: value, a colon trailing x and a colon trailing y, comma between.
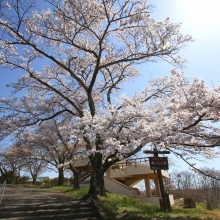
x: 76, y: 210
x: 22, y: 202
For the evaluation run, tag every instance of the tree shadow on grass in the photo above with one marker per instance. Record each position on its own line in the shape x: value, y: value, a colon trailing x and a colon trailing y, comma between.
x: 139, y: 216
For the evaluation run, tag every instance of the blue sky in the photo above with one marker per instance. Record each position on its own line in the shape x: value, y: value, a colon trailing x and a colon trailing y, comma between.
x: 202, y: 22
x: 199, y: 19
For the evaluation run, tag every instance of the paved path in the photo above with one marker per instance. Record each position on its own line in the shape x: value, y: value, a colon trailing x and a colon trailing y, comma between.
x: 23, y: 202
x: 22, y: 195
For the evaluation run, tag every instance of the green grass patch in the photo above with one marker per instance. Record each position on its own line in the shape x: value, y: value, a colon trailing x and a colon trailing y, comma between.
x: 77, y: 193
x: 119, y: 207
x: 122, y: 207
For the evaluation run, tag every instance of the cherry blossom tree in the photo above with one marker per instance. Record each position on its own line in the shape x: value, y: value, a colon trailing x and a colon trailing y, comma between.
x: 76, y: 55
x: 47, y: 138
x: 58, y: 145
x: 32, y: 157
x: 11, y: 164
x: 174, y: 113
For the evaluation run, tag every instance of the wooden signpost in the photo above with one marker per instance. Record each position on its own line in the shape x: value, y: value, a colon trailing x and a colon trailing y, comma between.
x: 160, y: 163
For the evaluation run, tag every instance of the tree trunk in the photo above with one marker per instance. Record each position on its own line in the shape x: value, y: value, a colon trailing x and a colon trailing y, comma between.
x: 60, y: 176
x: 10, y: 176
x: 97, y: 186
x: 34, y: 179
x: 76, y: 177
x: 8, y: 179
x: 76, y: 180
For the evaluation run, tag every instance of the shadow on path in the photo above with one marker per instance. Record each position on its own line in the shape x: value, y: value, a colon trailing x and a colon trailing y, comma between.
x: 19, y: 195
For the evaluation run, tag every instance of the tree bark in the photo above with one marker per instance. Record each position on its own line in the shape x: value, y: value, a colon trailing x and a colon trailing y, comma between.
x: 34, y: 179
x: 76, y: 177
x: 60, y: 176
x: 97, y: 185
x: 10, y: 176
x: 76, y: 180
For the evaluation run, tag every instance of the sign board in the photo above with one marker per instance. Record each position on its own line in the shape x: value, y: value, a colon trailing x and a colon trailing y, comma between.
x: 158, y: 163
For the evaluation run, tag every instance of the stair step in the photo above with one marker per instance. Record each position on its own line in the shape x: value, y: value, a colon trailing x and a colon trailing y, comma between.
x: 22, y: 203
x: 85, y: 216
x: 74, y: 211
x: 44, y: 207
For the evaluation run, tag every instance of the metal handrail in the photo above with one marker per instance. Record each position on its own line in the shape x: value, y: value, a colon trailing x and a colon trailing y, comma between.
x: 130, y: 162
x: 2, y: 190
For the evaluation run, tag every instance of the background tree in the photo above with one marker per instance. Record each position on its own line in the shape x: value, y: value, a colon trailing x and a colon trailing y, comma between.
x: 11, y: 165
x: 185, y: 184
x: 57, y: 144
x: 203, y: 186
x: 210, y: 188
x: 33, y: 159
x: 55, y: 153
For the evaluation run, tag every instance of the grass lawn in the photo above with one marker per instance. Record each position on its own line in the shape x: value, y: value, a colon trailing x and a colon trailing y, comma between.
x: 119, y: 207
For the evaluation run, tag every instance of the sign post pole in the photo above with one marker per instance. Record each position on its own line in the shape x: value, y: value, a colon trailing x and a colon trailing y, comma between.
x: 160, y: 178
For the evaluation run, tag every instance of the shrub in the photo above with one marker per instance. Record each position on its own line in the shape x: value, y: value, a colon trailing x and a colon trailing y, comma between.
x: 54, y: 181
x: 47, y: 182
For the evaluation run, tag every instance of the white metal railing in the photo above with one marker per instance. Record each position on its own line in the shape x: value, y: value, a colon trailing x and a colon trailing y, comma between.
x: 130, y: 162
x: 2, y: 190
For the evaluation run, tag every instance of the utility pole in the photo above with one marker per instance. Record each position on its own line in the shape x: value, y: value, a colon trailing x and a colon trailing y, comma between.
x: 160, y: 163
